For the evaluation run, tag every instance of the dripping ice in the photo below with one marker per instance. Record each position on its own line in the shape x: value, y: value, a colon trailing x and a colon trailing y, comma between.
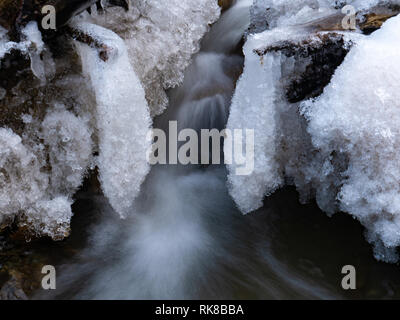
x: 123, y: 118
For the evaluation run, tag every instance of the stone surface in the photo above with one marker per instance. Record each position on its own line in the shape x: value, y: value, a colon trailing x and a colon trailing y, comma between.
x: 325, y: 51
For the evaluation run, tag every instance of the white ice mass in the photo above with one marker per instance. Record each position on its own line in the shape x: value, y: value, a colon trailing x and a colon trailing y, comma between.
x: 123, y: 118
x: 341, y: 147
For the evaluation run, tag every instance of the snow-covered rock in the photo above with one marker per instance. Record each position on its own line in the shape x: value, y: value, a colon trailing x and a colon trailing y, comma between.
x: 357, y: 118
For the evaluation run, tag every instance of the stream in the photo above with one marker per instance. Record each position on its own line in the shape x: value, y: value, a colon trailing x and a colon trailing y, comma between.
x: 186, y: 239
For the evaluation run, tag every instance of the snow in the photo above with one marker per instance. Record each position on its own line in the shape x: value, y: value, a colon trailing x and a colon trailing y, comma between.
x: 24, y: 187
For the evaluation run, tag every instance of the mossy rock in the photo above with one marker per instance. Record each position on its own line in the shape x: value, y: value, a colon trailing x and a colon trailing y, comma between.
x: 225, y: 4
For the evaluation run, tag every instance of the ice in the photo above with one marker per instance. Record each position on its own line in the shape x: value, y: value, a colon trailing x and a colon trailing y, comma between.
x: 69, y: 143
x: 22, y: 181
x: 161, y: 37
x: 269, y: 14
x: 51, y: 216
x: 123, y: 118
x: 259, y: 103
x: 55, y: 118
x: 255, y: 95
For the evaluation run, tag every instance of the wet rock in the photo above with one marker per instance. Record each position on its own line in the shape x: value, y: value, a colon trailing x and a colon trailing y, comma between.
x: 373, y: 22
x: 325, y: 47
x: 20, y: 264
x: 9, y: 12
x: 15, y: 14
x: 12, y: 290
x: 264, y: 16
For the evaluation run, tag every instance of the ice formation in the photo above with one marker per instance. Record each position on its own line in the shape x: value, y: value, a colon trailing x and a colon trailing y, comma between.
x: 161, y: 37
x: 67, y: 103
x: 340, y: 147
x: 123, y: 118
x: 254, y: 96
x: 260, y: 95
x: 32, y: 45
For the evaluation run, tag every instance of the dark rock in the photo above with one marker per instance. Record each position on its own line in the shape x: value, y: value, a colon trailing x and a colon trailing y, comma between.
x: 325, y: 51
x: 373, y: 22
x: 12, y: 290
x: 225, y: 4
x: 14, y: 14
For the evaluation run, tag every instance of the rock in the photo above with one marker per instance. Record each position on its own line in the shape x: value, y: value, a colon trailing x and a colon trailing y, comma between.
x: 225, y: 4
x: 20, y: 265
x: 326, y: 52
x: 366, y: 22
x: 9, y: 12
x: 14, y: 14
x: 12, y: 290
x: 374, y: 21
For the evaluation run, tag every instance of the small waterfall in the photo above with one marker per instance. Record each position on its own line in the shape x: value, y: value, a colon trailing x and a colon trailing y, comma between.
x: 227, y: 33
x: 186, y: 238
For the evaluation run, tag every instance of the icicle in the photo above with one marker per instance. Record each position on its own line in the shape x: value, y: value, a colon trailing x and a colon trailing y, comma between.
x: 122, y: 116
x: 255, y: 97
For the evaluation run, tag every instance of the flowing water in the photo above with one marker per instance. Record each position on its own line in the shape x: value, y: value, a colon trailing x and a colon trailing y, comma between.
x: 186, y: 239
